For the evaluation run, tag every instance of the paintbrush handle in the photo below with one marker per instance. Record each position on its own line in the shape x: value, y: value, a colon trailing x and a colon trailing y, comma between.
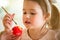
x: 4, y: 10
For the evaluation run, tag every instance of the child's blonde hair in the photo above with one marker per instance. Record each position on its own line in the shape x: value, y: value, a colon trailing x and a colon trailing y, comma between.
x: 54, y: 22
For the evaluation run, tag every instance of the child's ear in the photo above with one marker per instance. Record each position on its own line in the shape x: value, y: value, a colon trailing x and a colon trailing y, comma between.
x: 46, y: 16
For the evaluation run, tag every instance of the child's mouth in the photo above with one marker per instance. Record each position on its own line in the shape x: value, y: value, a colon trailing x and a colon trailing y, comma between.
x: 27, y: 22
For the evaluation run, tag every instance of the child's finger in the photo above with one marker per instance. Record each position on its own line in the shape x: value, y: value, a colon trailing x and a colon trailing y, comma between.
x: 9, y: 16
x: 12, y: 16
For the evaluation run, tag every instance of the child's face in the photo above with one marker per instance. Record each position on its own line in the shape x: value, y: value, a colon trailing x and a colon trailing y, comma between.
x: 32, y: 15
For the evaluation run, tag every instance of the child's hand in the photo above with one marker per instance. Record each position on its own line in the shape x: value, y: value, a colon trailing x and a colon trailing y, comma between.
x: 7, y: 20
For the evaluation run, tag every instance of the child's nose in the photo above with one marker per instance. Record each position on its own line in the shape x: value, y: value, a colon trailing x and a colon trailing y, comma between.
x: 28, y: 16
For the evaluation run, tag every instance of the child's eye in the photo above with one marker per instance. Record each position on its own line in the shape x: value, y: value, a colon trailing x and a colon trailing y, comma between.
x: 24, y: 13
x: 33, y: 13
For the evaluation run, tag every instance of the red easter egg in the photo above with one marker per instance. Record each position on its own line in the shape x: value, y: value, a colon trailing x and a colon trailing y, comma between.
x: 17, y: 30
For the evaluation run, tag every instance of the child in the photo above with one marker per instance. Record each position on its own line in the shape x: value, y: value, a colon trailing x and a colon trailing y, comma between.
x: 36, y: 16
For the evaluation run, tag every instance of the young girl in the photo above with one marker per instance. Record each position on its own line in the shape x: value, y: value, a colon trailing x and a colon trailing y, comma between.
x: 36, y: 16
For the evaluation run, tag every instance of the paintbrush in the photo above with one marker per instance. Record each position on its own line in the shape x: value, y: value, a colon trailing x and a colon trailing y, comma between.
x: 8, y: 13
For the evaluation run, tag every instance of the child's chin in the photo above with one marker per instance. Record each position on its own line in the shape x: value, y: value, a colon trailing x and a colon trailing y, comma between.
x: 28, y: 27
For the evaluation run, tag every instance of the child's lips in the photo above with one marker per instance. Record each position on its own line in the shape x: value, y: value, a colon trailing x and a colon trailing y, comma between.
x: 27, y: 22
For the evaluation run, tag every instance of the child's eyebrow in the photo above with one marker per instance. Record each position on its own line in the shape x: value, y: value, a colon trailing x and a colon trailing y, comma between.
x: 32, y: 9
x: 29, y: 9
